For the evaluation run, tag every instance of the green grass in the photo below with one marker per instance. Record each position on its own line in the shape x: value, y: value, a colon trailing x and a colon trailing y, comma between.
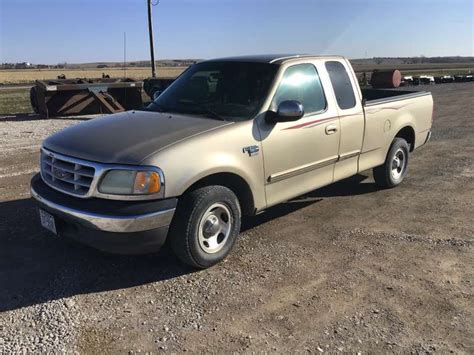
x: 15, y: 101
x: 18, y: 101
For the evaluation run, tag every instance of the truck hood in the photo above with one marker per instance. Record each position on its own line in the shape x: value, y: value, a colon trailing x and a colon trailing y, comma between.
x: 127, y: 137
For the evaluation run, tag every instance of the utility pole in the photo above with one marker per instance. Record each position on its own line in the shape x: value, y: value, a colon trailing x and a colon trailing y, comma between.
x: 150, y: 30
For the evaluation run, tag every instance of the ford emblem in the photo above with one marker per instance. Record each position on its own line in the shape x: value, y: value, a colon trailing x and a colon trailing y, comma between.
x: 61, y: 174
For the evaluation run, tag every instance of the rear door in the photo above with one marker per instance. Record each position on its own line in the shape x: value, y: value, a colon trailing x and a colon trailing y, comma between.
x: 300, y: 156
x: 349, y: 107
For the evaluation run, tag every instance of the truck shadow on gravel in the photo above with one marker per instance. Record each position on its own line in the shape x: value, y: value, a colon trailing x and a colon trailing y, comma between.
x: 348, y: 187
x: 37, y: 267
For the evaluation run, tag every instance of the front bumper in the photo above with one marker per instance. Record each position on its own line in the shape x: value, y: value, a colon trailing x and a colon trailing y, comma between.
x: 125, y: 227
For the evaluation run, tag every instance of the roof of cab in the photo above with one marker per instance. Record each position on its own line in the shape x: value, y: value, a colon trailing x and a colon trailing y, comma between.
x: 269, y: 58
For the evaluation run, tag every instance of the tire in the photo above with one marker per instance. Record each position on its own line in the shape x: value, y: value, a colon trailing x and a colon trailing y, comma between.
x: 205, y: 226
x: 393, y: 171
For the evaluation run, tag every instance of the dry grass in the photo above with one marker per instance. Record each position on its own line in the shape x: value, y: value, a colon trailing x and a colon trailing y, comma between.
x: 30, y: 75
x: 15, y: 101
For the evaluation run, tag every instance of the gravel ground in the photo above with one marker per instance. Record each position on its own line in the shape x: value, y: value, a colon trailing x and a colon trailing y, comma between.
x: 345, y: 268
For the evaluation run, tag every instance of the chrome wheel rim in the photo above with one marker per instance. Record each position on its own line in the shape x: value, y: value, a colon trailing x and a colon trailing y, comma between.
x: 398, y: 164
x: 214, y: 228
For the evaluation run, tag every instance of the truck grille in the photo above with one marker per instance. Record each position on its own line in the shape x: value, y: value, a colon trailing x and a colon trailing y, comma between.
x: 66, y: 175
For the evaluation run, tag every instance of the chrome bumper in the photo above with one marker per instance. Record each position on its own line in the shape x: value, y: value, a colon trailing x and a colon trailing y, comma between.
x: 107, y: 223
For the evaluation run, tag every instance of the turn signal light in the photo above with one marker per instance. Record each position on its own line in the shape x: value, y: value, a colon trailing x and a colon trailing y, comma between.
x: 147, y: 182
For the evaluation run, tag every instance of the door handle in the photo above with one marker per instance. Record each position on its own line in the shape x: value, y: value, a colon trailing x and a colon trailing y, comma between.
x: 331, y: 129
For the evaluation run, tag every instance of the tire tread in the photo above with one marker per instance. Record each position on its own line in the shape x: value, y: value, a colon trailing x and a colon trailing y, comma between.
x: 382, y: 175
x: 181, y: 227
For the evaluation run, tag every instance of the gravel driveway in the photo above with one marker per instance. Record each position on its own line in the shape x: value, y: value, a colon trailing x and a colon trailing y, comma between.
x: 348, y: 267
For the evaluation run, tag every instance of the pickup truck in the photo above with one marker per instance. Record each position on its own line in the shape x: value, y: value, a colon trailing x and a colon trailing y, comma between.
x: 229, y: 138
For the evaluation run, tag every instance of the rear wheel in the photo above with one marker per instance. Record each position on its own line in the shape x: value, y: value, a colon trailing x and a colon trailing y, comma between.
x: 393, y: 171
x: 206, y: 226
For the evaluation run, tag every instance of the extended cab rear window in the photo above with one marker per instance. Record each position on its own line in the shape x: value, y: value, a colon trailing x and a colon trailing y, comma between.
x: 341, y: 84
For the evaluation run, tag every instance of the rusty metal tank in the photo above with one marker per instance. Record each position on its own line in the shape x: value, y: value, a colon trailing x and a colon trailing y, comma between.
x: 386, y: 79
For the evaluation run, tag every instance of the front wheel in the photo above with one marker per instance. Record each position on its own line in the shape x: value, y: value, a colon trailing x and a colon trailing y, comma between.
x: 206, y: 226
x: 393, y: 171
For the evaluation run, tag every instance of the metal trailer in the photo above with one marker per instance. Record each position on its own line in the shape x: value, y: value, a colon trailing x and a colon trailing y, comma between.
x: 63, y: 97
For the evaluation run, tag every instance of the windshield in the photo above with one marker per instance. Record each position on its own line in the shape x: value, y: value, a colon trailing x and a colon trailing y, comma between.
x: 232, y: 91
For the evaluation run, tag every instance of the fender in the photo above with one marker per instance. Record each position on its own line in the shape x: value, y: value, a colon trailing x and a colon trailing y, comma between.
x: 192, y: 160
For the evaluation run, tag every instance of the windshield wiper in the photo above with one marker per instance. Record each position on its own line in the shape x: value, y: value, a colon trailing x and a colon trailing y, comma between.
x: 158, y: 108
x: 210, y: 113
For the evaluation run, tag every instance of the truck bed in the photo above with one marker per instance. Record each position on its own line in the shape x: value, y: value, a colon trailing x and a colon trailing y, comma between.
x: 387, y: 112
x: 378, y: 96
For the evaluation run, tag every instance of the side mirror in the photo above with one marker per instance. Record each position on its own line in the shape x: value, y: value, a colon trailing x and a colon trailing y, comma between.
x: 288, y: 111
x: 156, y: 94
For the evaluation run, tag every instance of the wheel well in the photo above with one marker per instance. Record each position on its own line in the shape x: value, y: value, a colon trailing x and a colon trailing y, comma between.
x: 408, y: 134
x: 233, y: 182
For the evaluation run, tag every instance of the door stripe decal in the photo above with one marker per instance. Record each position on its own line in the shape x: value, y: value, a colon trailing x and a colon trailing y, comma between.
x: 301, y: 125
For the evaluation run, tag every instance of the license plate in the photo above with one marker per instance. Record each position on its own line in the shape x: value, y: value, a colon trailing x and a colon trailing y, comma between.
x: 47, y: 221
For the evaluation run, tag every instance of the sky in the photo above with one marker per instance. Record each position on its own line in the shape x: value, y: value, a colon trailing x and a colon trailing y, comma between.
x: 78, y: 31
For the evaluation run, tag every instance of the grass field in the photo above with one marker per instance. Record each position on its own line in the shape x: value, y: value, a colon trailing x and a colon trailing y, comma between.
x: 25, y: 76
x: 15, y: 101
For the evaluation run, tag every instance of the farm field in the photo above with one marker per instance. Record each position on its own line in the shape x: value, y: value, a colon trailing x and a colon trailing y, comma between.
x: 346, y: 268
x: 27, y: 76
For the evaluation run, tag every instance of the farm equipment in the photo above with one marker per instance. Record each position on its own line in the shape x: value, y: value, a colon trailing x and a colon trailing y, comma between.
x: 427, y: 79
x: 63, y: 97
x: 444, y: 79
x: 462, y: 78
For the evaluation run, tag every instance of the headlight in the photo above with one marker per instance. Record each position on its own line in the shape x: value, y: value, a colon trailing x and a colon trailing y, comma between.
x: 130, y: 182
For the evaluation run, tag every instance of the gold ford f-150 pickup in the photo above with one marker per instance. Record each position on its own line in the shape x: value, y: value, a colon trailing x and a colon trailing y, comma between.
x: 229, y: 137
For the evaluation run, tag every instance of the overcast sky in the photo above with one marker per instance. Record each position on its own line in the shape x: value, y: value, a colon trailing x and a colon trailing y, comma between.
x: 73, y: 31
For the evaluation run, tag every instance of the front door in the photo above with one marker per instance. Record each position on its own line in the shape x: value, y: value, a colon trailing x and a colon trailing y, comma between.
x: 300, y: 156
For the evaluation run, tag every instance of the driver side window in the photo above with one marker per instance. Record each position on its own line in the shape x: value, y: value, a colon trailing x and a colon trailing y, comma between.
x: 301, y: 83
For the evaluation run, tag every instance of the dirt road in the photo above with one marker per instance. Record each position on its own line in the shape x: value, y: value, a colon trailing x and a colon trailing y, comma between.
x: 346, y: 268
